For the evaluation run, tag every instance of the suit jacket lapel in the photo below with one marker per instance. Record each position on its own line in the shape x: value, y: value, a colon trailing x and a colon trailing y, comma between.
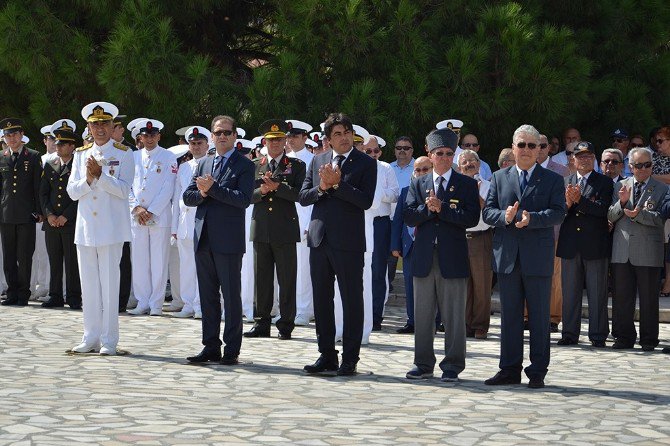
x: 513, y: 176
x: 226, y: 167
x: 532, y: 181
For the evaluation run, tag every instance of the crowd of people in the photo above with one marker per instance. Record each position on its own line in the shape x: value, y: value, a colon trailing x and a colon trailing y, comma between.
x: 299, y: 225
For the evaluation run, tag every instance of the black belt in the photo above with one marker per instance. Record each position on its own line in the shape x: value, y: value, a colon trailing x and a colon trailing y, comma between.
x: 473, y: 234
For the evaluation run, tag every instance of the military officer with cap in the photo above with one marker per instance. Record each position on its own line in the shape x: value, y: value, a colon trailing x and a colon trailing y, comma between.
x: 151, y: 211
x: 297, y: 138
x: 183, y: 223
x: 275, y: 230
x: 102, y: 174
x: 60, y: 212
x: 119, y: 130
x: 20, y: 172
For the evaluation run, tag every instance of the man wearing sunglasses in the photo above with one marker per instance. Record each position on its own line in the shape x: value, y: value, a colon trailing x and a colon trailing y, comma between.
x: 471, y: 142
x: 621, y: 141
x: 637, y: 252
x: 524, y: 204
x: 611, y: 164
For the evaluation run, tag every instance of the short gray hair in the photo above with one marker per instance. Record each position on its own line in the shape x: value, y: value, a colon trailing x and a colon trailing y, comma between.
x: 617, y: 152
x: 635, y: 150
x: 468, y: 152
x: 525, y: 128
x: 504, y: 154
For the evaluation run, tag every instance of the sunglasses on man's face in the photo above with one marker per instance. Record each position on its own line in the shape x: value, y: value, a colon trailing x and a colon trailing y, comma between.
x: 636, y: 144
x: 618, y: 140
x: 222, y: 132
x: 375, y: 151
x: 440, y: 153
x: 522, y: 145
x: 646, y: 165
x: 613, y: 162
x: 467, y: 145
x: 403, y: 148
x: 422, y: 170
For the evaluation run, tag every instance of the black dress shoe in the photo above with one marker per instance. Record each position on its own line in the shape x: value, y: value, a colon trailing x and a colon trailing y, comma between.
x: 322, y: 366
x: 648, y: 348
x: 503, y: 378
x: 666, y: 350
x: 377, y: 327
x: 407, y: 329
x: 10, y: 301
x: 440, y: 328
x: 536, y: 383
x: 526, y: 326
x: 258, y: 332
x: 469, y: 333
x: 205, y: 356
x: 284, y: 336
x: 347, y: 369
x: 598, y: 344
x: 230, y: 360
x: 54, y: 302
x: 75, y: 304
x: 566, y: 341
x: 553, y: 327
x: 618, y: 345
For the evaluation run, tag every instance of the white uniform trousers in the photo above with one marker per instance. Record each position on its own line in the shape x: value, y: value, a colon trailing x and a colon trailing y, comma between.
x: 188, y: 282
x: 174, y: 271
x: 3, y: 282
x: 40, y: 268
x: 247, y: 290
x: 150, y: 253
x: 99, y: 272
x: 367, y: 302
x: 304, y: 299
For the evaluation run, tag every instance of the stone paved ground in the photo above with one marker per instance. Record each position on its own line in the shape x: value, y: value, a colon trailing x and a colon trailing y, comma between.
x: 152, y: 397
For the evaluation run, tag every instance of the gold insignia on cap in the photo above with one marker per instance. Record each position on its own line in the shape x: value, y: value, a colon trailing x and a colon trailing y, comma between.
x: 450, y: 125
x: 274, y: 128
x: 98, y: 111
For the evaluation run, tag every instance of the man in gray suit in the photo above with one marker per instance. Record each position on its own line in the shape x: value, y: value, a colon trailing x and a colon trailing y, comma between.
x: 637, y: 252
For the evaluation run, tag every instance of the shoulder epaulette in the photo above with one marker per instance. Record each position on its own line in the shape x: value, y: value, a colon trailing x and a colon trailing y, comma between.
x: 85, y: 147
x: 120, y: 146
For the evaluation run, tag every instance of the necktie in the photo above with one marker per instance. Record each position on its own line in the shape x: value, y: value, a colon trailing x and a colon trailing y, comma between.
x: 218, y: 162
x: 441, y: 194
x: 15, y: 156
x: 62, y: 168
x: 582, y: 184
x: 638, y: 193
x: 524, y: 180
x: 340, y: 160
x: 273, y: 165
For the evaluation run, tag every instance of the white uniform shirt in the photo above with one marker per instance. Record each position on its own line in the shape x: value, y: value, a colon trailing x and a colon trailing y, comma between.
x: 484, y: 187
x: 386, y: 191
x: 183, y: 217
x: 103, y: 217
x: 153, y: 185
x: 304, y: 212
x: 48, y: 157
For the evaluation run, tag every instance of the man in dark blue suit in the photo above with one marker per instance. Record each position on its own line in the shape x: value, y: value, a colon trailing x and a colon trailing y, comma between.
x: 441, y: 206
x: 341, y: 186
x: 402, y: 242
x: 525, y: 201
x: 221, y: 189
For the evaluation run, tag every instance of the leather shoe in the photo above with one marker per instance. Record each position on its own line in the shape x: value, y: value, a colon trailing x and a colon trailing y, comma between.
x: 553, y: 327
x: 377, y: 327
x: 503, y: 378
x: 440, y: 328
x: 598, y: 344
x: 618, y: 345
x: 535, y: 383
x: 258, y: 332
x: 648, y: 348
x: 205, y: 355
x: 284, y: 336
x: 53, y: 302
x: 10, y: 301
x: 230, y: 360
x: 407, y: 329
x: 322, y: 366
x: 566, y: 341
x: 347, y: 369
x: 666, y: 350
x: 76, y: 304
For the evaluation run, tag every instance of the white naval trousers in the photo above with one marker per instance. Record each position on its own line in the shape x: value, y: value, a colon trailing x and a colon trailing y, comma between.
x: 99, y: 272
x: 304, y: 298
x: 188, y: 280
x: 150, y: 254
x: 40, y: 267
x: 367, y: 302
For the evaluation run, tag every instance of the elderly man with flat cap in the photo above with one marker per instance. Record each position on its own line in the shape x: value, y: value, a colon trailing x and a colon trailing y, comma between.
x: 102, y: 173
x: 20, y: 173
x: 441, y: 206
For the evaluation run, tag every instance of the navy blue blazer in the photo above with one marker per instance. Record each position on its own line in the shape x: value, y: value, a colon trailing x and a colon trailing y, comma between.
x: 225, y: 203
x: 400, y: 238
x: 459, y: 211
x: 339, y: 214
x: 544, y: 199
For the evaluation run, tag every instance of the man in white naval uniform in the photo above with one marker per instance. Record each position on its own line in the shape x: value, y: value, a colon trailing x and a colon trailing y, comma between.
x: 296, y: 140
x: 151, y: 219
x: 183, y: 223
x: 102, y: 173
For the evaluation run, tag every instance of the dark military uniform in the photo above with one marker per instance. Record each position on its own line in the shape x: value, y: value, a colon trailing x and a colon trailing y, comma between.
x: 274, y: 232
x: 19, y: 206
x: 60, y: 241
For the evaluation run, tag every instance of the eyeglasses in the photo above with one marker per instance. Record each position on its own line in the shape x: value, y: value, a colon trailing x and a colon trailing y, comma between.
x: 473, y: 144
x: 522, y: 145
x: 222, y: 132
x: 633, y: 145
x: 440, y: 153
x: 422, y: 169
x: 403, y: 148
x: 543, y: 145
x: 618, y: 140
x: 646, y: 165
x: 661, y: 141
x: 613, y: 162
x: 369, y: 151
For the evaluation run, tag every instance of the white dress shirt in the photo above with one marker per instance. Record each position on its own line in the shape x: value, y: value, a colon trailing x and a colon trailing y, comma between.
x: 386, y: 191
x: 183, y: 217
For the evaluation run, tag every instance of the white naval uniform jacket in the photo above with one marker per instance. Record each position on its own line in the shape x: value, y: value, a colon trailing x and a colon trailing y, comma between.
x: 153, y: 185
x: 304, y: 212
x: 183, y: 217
x: 103, y: 217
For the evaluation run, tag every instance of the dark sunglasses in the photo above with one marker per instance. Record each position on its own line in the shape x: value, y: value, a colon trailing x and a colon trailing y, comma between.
x: 633, y: 145
x: 422, y: 169
x: 441, y: 153
x: 646, y: 165
x: 619, y: 140
x: 661, y: 141
x: 222, y: 132
x: 473, y: 144
x: 407, y: 148
x: 531, y: 145
x: 369, y: 151
x: 614, y: 162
